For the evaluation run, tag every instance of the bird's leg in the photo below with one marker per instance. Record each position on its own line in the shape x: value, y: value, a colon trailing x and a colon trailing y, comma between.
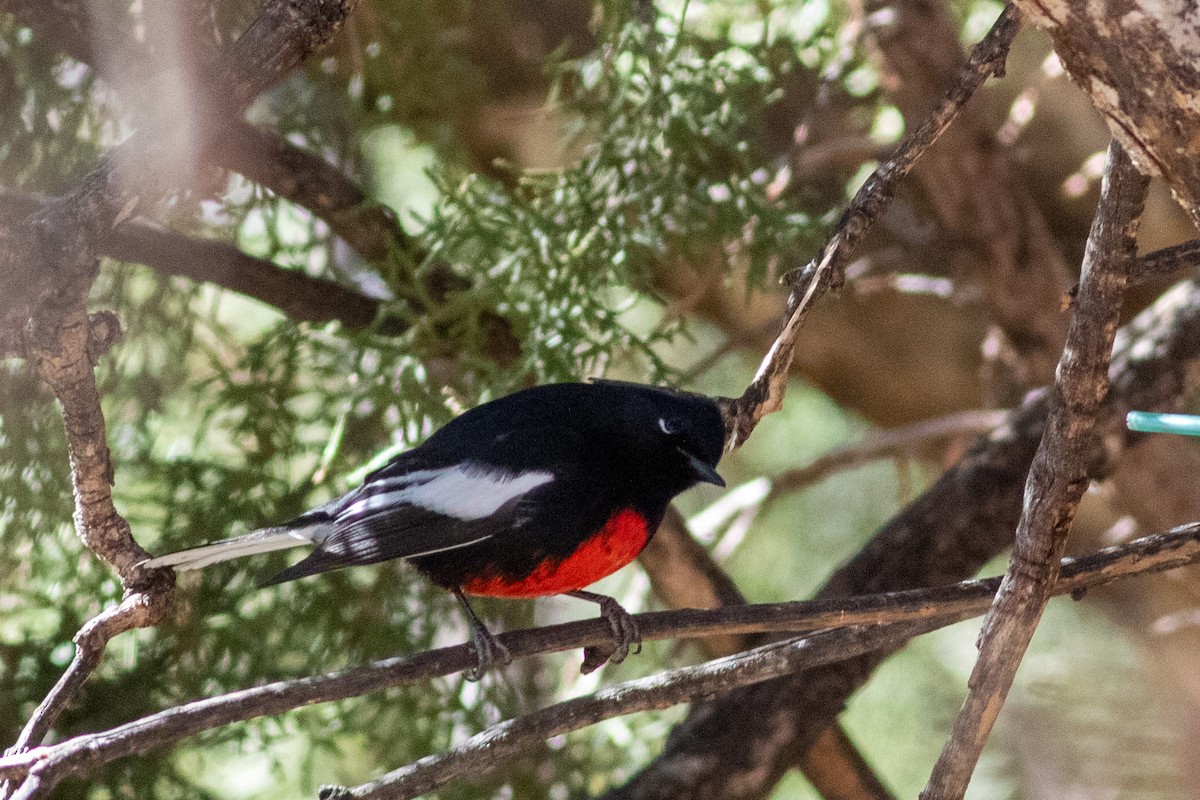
x: 624, y: 630
x: 488, y: 649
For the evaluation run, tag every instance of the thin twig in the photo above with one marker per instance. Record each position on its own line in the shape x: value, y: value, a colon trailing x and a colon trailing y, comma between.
x: 1176, y: 548
x: 1166, y: 263
x: 765, y: 393
x: 137, y: 610
x: 884, y: 444
x: 1059, y: 474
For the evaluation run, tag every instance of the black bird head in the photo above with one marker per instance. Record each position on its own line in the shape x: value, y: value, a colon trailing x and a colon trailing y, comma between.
x: 675, y: 436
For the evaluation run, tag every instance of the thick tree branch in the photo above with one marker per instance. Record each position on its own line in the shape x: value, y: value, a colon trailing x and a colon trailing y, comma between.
x: 929, y: 607
x: 1114, y: 57
x: 53, y: 247
x: 1060, y: 473
x: 47, y: 264
x: 62, y: 346
x: 825, y: 272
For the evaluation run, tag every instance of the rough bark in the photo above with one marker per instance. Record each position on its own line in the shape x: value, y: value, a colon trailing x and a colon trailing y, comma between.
x: 1137, y: 60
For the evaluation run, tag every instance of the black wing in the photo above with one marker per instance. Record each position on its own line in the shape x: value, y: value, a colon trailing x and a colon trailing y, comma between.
x: 410, y: 508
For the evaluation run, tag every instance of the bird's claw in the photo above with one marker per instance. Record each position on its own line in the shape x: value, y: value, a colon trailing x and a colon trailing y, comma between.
x: 626, y: 637
x: 489, y: 654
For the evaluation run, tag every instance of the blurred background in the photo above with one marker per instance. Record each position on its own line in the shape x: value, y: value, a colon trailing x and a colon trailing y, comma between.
x: 515, y: 192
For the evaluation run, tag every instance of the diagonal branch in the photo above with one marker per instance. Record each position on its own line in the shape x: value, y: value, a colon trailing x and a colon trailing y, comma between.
x: 1059, y: 475
x: 308, y: 180
x: 826, y: 271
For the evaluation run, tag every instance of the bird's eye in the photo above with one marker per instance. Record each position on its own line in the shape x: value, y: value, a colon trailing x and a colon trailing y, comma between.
x: 670, y: 425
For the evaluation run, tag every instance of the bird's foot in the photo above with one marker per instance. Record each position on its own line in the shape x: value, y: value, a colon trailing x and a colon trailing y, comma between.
x: 489, y: 653
x: 626, y: 635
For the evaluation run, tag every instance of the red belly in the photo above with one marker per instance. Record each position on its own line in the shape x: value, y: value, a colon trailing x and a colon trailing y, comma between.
x: 617, y: 543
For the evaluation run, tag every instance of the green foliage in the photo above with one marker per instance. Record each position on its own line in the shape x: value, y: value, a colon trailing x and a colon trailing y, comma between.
x: 674, y: 165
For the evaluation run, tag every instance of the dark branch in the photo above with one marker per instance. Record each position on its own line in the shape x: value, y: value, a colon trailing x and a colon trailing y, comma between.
x: 1166, y: 263
x: 307, y: 180
x: 263, y: 156
x: 684, y: 575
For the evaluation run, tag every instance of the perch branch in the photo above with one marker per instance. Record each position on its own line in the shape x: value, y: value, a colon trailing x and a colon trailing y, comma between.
x: 1059, y: 475
x: 500, y: 743
x: 1176, y: 548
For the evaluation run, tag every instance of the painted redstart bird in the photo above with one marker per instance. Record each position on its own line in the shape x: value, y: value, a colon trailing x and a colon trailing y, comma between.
x: 542, y: 492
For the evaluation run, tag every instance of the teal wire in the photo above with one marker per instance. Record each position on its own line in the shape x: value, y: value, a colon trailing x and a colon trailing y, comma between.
x: 1151, y: 422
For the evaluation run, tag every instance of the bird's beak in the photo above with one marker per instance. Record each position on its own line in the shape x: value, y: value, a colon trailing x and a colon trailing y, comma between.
x: 704, y: 472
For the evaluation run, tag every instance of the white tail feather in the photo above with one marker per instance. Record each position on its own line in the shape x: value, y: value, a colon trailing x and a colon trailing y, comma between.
x: 262, y: 541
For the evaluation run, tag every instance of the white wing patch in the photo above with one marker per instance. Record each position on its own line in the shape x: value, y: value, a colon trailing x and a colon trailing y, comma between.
x: 466, y: 492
